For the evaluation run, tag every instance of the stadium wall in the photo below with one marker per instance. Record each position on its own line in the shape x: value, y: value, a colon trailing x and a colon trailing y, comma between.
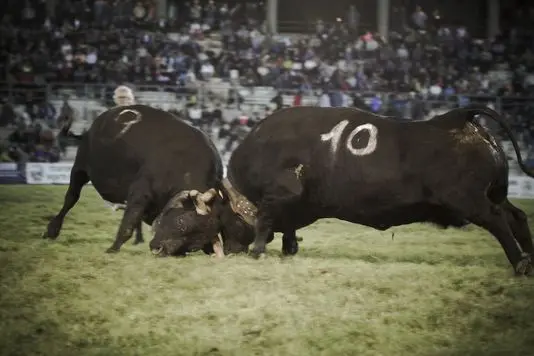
x: 520, y: 186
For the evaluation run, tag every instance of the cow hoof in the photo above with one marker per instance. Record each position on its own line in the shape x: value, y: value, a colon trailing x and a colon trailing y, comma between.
x: 52, y: 231
x: 257, y: 253
x: 137, y: 242
x: 112, y: 250
x: 524, y: 267
x: 47, y: 235
x: 290, y: 250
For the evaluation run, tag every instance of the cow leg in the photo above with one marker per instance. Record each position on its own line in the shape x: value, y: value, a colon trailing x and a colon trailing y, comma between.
x: 270, y: 238
x: 494, y: 219
x: 517, y: 220
x: 285, y: 190
x: 290, y: 246
x: 78, y: 178
x: 138, y: 229
x: 139, y: 234
x: 137, y: 201
x: 208, y: 249
x: 263, y: 230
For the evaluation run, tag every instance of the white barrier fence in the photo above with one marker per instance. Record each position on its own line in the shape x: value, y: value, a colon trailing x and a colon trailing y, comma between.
x: 48, y: 173
x: 59, y: 173
x: 520, y: 187
x: 52, y: 173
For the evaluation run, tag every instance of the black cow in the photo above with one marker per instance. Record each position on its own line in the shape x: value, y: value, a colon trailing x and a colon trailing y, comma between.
x: 155, y: 162
x: 138, y: 229
x: 182, y: 227
x: 302, y: 164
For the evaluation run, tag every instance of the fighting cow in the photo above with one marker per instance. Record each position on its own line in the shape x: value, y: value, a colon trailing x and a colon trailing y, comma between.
x: 159, y: 165
x: 122, y: 96
x: 302, y: 164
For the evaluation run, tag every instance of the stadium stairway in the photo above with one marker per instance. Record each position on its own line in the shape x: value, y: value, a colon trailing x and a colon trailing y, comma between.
x: 219, y: 87
x: 259, y: 97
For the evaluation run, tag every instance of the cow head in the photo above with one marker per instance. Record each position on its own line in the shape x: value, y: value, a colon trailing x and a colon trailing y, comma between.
x: 187, y: 223
x: 238, y: 218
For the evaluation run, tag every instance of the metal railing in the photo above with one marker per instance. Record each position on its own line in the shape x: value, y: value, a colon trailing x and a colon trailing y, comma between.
x: 310, y: 27
x: 89, y: 100
x: 205, y: 93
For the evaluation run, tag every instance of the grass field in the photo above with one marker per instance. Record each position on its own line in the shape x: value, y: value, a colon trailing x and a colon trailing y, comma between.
x: 350, y: 291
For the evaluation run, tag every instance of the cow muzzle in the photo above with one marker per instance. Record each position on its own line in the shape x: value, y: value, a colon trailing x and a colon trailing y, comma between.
x: 159, y: 252
x: 166, y: 248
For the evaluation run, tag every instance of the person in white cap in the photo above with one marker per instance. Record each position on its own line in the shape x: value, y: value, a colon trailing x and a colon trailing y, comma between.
x: 123, y: 96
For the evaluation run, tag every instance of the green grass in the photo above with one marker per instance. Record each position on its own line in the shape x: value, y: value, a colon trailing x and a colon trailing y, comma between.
x: 350, y: 291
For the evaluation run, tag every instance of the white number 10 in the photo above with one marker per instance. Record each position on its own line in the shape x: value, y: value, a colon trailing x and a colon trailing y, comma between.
x: 335, y: 136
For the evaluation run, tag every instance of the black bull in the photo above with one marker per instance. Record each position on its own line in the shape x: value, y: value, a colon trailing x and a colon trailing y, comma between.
x: 302, y: 164
x: 155, y: 162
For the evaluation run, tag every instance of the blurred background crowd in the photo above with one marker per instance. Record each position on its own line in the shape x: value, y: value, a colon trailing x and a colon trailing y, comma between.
x: 219, y: 67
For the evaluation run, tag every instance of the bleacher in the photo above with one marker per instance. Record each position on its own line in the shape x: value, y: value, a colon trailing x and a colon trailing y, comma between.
x: 161, y: 99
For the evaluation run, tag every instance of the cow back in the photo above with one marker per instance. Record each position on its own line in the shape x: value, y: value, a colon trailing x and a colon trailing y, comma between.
x: 127, y: 142
x: 335, y: 152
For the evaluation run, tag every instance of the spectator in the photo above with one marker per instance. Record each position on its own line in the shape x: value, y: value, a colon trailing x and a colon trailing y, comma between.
x: 297, y: 99
x: 324, y: 100
x: 7, y: 115
x: 278, y: 101
x: 123, y: 96
x: 419, y: 18
x: 430, y: 61
x: 20, y: 144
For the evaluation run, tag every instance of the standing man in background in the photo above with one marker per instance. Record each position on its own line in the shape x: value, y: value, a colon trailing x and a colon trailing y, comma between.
x: 123, y: 96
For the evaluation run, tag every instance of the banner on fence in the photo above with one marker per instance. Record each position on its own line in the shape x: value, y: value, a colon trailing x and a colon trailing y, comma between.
x: 521, y: 187
x: 10, y: 174
x: 48, y: 173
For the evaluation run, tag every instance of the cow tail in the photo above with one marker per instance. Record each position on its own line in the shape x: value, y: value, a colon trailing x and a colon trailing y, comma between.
x: 74, y: 136
x: 492, y: 114
x: 66, y: 132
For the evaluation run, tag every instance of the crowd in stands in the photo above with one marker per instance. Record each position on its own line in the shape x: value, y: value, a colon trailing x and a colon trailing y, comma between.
x: 424, y: 60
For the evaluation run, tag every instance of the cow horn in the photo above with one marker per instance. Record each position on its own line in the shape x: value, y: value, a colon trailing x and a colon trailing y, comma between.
x: 200, y: 200
x: 239, y: 204
x: 207, y: 196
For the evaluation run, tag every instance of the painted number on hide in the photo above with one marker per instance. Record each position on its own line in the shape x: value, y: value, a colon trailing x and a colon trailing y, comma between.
x: 334, y: 136
x: 128, y: 124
